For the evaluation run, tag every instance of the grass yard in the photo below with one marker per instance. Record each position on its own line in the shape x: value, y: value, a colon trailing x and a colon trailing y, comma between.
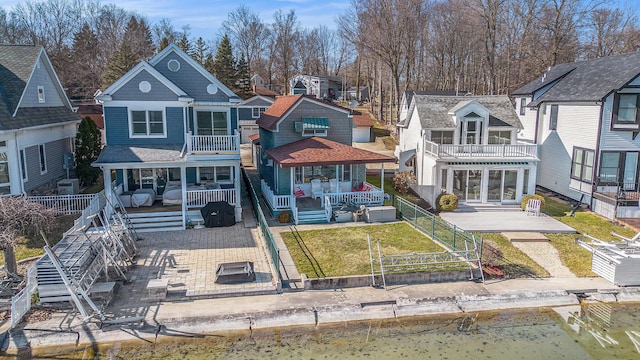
x: 577, y: 259
x: 514, y: 262
x: 344, y: 251
x: 33, y: 246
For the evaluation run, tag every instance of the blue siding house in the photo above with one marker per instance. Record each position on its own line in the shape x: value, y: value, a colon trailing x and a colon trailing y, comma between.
x: 171, y: 137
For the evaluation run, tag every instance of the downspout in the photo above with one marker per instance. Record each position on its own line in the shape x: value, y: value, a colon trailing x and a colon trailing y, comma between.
x: 535, y: 134
x: 596, y: 158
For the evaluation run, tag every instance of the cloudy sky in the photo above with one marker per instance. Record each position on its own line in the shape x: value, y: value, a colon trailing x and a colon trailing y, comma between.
x: 205, y: 16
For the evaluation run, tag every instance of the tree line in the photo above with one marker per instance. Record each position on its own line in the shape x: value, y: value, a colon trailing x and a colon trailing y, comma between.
x: 476, y: 46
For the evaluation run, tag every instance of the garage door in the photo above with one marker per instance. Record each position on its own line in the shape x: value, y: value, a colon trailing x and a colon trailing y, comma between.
x: 361, y: 134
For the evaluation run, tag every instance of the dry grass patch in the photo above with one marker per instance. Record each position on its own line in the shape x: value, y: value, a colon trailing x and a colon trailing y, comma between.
x: 344, y: 251
x: 514, y: 262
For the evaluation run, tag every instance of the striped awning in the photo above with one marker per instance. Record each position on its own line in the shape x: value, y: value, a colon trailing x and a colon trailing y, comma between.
x: 315, y: 123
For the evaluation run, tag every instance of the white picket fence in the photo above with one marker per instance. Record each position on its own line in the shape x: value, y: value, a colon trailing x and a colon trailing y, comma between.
x: 21, y: 302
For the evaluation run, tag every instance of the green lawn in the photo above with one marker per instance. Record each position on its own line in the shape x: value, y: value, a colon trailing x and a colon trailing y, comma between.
x: 577, y: 259
x: 344, y: 251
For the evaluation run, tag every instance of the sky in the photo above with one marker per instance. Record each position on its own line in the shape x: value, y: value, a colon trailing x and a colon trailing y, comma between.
x: 205, y: 17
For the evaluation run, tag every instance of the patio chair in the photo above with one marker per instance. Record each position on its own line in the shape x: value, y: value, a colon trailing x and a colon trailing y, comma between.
x: 316, y: 188
x: 533, y: 207
x: 333, y: 186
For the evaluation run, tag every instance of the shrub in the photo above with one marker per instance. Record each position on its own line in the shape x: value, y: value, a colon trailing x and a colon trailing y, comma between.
x: 447, y: 202
x: 523, y: 203
x: 402, y: 181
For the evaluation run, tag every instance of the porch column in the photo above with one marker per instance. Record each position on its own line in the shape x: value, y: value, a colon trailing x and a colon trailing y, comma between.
x: 106, y: 174
x: 381, y: 177
x: 532, y: 179
x: 238, y: 209
x: 183, y: 184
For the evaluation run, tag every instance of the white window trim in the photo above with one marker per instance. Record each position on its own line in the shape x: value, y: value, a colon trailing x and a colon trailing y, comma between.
x: 316, y: 132
x: 4, y: 149
x: 23, y: 165
x: 148, y: 136
x: 40, y: 158
x: 253, y: 111
x: 225, y: 110
x: 41, y: 99
x: 215, y: 175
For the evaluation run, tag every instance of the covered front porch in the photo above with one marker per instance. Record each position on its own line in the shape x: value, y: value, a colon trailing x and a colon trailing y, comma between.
x: 314, y: 177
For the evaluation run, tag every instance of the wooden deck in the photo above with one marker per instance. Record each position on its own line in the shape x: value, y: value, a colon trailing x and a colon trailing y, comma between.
x: 156, y: 207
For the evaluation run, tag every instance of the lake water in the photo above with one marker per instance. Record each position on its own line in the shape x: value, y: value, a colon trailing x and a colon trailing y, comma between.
x: 591, y: 331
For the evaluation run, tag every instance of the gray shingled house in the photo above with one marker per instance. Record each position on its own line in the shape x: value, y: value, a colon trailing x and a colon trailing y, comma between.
x: 37, y: 123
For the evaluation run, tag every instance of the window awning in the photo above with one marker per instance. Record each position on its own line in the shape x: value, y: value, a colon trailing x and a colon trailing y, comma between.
x: 315, y: 123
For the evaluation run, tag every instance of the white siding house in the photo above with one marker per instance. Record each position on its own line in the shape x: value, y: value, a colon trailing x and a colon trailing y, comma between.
x: 584, y: 116
x: 466, y: 145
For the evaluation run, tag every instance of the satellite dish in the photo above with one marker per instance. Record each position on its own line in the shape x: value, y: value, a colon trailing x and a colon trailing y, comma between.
x: 353, y: 103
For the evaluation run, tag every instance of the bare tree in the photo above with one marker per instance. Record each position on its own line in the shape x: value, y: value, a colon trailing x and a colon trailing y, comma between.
x: 248, y: 34
x: 20, y: 217
x: 607, y: 29
x: 286, y: 32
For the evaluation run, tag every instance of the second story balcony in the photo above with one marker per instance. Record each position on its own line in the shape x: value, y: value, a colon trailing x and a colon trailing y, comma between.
x: 480, y: 152
x: 213, y: 144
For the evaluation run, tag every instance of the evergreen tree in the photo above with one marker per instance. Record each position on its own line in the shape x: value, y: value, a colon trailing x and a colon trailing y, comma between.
x: 84, y: 80
x: 243, y: 79
x: 87, y: 151
x: 210, y: 64
x: 164, y: 42
x: 224, y: 65
x: 200, y: 51
x: 185, y: 44
x: 118, y: 65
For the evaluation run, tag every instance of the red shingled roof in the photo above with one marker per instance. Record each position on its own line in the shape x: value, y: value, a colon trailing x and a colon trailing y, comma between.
x: 270, y: 118
x: 316, y: 151
x: 360, y: 119
x: 259, y: 90
x: 254, y: 138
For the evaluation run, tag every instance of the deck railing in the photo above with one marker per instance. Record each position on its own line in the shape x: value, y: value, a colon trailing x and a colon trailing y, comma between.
x: 276, y: 202
x: 374, y: 196
x: 64, y: 204
x: 502, y: 151
x: 200, y: 198
x: 213, y: 143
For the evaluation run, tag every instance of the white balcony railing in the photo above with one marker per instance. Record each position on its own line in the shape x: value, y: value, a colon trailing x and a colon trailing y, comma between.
x: 492, y: 151
x: 200, y: 198
x: 213, y: 143
x: 374, y: 196
x: 276, y: 202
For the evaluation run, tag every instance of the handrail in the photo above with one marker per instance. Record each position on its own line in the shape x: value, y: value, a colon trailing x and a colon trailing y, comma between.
x: 327, y: 208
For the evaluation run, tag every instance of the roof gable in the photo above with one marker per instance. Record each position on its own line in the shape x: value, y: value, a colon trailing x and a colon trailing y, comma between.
x: 284, y: 105
x: 174, y: 50
x: 143, y: 66
x: 257, y: 100
x: 589, y: 80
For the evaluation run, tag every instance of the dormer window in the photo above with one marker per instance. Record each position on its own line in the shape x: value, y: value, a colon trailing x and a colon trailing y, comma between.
x: 471, y: 129
x: 41, y: 94
x: 625, y: 111
x: 312, y: 126
x: 523, y: 105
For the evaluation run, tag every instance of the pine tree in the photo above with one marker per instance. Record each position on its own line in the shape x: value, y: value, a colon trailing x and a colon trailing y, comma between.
x: 224, y: 66
x: 185, y: 44
x: 118, y: 65
x: 85, y: 79
x: 87, y: 151
x: 210, y: 64
x: 164, y: 42
x: 243, y: 80
x: 200, y: 51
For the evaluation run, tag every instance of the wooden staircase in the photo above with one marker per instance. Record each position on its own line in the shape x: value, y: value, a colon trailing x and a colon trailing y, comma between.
x: 156, y: 221
x: 312, y: 217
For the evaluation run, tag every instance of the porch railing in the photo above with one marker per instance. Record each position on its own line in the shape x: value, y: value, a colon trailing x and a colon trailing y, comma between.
x: 276, y: 202
x: 213, y: 143
x: 522, y: 151
x: 64, y: 204
x: 327, y: 208
x: 200, y: 198
x: 375, y: 196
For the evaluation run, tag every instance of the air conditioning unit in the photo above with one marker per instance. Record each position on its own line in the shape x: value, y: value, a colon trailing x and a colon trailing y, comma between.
x: 68, y: 187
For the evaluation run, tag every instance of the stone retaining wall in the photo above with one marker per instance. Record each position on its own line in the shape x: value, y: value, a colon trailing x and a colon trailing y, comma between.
x: 390, y: 279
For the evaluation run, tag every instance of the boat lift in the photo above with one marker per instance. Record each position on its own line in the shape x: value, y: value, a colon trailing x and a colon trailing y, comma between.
x: 616, y: 261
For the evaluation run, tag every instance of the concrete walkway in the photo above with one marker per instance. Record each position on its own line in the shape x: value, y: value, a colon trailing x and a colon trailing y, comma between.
x: 492, y: 221
x: 546, y: 256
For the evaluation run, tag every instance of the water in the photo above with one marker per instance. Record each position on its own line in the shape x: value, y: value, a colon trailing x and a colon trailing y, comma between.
x: 592, y: 331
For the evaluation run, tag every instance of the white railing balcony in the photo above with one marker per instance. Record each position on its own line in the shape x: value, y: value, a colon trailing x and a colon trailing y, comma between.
x: 200, y: 198
x: 489, y: 151
x: 207, y: 144
x: 276, y: 202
